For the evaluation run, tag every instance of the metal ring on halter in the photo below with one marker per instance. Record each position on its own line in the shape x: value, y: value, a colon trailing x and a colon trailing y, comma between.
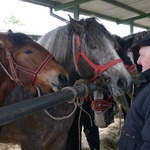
x: 73, y: 91
x: 38, y: 90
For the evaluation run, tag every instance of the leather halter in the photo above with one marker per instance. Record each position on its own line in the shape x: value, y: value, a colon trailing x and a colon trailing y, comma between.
x: 98, y: 68
x: 101, y: 105
x: 34, y: 74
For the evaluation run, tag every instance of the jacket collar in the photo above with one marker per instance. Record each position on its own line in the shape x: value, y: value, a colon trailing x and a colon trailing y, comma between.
x: 146, y: 75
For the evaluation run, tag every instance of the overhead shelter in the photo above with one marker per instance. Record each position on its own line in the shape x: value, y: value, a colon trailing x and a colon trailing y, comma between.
x: 132, y: 12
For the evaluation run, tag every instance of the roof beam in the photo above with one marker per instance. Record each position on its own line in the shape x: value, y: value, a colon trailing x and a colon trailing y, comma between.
x: 70, y: 4
x: 47, y: 3
x: 121, y: 5
x: 134, y: 18
x: 50, y: 3
x: 85, y: 12
x: 118, y: 4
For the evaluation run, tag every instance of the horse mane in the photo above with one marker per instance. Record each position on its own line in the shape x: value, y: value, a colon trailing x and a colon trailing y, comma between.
x: 93, y: 27
x: 122, y: 48
x: 50, y: 40
x: 135, y: 37
x: 140, y: 35
x: 63, y: 35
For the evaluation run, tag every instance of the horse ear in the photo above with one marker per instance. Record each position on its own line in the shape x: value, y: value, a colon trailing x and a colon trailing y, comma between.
x: 9, y: 32
x: 76, y: 25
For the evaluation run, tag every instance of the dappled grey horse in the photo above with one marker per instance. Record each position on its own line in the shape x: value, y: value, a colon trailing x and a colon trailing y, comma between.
x: 86, y: 49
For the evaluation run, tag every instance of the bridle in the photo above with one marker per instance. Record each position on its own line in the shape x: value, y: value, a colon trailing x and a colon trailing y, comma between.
x: 98, y: 68
x: 14, y: 67
x: 97, y: 105
x: 132, y: 69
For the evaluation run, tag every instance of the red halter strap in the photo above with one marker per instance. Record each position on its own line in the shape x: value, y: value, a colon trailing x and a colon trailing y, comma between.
x: 14, y: 66
x: 98, y: 68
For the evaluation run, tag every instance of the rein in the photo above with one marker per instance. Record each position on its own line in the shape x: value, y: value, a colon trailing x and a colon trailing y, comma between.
x: 14, y: 67
x: 98, y: 68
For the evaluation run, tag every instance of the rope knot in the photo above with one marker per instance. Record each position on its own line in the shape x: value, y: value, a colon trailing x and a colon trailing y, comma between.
x: 83, y: 84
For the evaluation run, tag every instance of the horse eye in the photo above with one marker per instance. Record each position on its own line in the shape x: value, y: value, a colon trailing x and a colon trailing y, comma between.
x: 28, y: 51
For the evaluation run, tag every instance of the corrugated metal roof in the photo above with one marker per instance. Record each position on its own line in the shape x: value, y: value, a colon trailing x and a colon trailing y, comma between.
x: 136, y: 12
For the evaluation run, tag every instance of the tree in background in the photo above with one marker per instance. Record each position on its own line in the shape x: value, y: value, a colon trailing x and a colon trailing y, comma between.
x: 12, y: 19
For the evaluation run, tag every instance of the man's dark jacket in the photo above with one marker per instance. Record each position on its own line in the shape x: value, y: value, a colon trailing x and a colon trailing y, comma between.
x: 136, y: 130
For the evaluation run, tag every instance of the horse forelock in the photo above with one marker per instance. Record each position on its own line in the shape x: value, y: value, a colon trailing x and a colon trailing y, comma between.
x: 138, y: 36
x: 96, y: 33
x: 56, y: 42
x: 19, y: 38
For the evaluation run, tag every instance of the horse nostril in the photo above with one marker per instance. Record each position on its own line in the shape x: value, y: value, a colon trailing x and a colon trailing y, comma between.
x: 122, y: 83
x: 63, y: 80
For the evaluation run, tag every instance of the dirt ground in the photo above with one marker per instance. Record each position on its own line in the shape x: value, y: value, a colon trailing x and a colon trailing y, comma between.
x: 108, y: 138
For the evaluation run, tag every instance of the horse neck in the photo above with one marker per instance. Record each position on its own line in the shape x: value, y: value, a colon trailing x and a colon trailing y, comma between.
x: 70, y: 63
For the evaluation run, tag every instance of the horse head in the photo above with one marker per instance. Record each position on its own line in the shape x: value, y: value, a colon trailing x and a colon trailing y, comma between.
x: 25, y: 62
x: 103, y: 106
x: 96, y: 57
x: 123, y: 48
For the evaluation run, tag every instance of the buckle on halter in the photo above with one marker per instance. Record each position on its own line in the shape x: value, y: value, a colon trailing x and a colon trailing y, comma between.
x: 99, y: 74
x: 7, y: 55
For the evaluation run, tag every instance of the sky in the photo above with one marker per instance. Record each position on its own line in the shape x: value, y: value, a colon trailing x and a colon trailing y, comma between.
x: 37, y: 18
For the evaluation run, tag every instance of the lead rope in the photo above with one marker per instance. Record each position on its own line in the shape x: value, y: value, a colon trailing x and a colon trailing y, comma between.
x: 82, y: 82
x: 65, y: 117
x: 79, y: 118
x: 120, y: 112
x: 80, y: 102
x: 61, y: 118
x: 70, y: 102
x: 6, y: 72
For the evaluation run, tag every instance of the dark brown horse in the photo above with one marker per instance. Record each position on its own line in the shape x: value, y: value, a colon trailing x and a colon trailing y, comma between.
x: 24, y: 62
x: 38, y: 131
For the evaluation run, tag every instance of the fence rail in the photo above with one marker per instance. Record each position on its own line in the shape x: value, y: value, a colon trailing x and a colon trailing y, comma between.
x: 21, y: 109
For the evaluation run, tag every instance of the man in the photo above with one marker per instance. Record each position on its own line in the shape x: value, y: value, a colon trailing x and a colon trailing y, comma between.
x: 136, y: 130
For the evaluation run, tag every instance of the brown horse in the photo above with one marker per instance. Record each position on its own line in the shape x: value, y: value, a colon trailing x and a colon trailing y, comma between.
x: 37, y: 131
x: 24, y: 62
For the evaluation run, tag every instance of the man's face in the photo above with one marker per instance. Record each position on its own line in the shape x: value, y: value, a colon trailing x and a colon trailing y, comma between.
x: 144, y: 58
